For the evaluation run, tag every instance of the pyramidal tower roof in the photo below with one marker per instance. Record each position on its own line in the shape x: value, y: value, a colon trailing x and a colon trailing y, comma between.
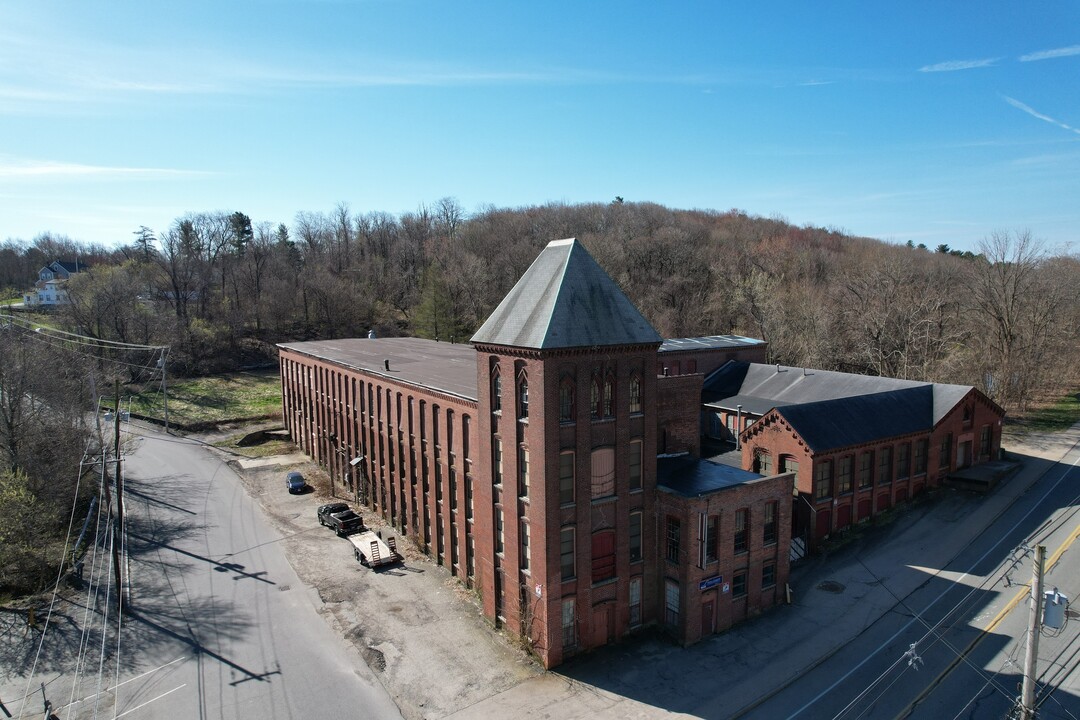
x: 565, y: 299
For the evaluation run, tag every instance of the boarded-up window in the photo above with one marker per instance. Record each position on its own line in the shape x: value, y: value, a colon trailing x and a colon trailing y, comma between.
x: 603, y: 556
x: 603, y: 472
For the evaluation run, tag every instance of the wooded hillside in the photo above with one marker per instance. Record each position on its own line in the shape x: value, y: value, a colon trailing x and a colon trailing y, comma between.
x: 221, y: 290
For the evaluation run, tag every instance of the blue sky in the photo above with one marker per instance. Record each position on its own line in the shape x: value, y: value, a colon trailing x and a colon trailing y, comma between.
x: 935, y: 122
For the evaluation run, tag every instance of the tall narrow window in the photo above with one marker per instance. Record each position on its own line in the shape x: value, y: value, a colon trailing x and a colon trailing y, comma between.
x: 523, y: 397
x: 742, y: 529
x: 609, y: 396
x: 594, y: 393
x: 903, y: 461
x: 635, y: 601
x: 568, y: 566
x: 984, y: 441
x: 671, y: 603
x: 635, y: 464
x: 635, y: 395
x: 496, y: 390
x: 920, y: 456
x: 496, y: 461
x: 635, y: 536
x: 823, y: 479
x: 844, y: 475
x: 885, y: 465
x: 603, y: 556
x: 763, y: 462
x: 566, y: 401
x: 500, y: 534
x: 945, y: 455
x: 768, y: 575
x: 674, y: 538
x: 712, y: 538
x: 569, y: 637
x: 523, y: 472
x: 738, y: 584
x: 603, y: 472
x: 523, y: 533
x: 866, y: 469
x: 566, y: 477
x: 768, y: 531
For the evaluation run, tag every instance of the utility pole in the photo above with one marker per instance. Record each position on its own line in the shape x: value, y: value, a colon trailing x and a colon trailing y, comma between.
x: 164, y: 385
x: 118, y: 540
x: 1027, y: 695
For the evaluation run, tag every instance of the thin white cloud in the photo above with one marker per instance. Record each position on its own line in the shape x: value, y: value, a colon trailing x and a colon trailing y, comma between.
x: 953, y: 65
x: 1036, y: 114
x: 25, y: 169
x: 1049, y: 54
x: 815, y: 83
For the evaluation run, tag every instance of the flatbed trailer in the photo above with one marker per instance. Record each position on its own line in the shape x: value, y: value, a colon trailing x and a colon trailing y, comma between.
x: 371, y: 550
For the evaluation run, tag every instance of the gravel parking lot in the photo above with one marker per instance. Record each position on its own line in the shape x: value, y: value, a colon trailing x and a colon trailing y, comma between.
x: 418, y: 628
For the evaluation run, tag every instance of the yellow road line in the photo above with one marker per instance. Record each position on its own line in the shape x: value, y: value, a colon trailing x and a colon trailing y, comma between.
x: 1020, y: 595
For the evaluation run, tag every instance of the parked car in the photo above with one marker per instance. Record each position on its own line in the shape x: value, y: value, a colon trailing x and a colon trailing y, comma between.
x: 344, y: 522
x: 325, y: 511
x: 295, y: 482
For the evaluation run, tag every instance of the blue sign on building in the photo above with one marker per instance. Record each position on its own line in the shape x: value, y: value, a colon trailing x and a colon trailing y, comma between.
x: 710, y: 582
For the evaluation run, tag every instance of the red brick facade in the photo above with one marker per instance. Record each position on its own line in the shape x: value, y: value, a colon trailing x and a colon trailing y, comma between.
x: 844, y: 486
x: 725, y: 574
x: 537, y: 485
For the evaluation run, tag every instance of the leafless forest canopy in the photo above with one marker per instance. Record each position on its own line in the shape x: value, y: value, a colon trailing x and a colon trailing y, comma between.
x: 222, y: 289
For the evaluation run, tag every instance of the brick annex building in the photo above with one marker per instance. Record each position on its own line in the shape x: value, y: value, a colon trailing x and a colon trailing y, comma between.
x: 858, y: 444
x: 527, y: 462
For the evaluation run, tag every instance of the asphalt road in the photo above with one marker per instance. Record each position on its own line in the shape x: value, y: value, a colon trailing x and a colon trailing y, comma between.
x: 220, y: 626
x: 954, y: 647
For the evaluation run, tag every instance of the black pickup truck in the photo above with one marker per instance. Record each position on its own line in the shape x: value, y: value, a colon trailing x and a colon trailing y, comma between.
x: 340, y: 518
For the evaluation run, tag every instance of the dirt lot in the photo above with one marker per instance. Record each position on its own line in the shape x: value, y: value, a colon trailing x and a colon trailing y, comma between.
x: 419, y: 629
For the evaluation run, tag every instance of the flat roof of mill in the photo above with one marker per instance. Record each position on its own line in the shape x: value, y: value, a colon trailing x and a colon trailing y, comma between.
x: 692, y: 477
x: 442, y: 366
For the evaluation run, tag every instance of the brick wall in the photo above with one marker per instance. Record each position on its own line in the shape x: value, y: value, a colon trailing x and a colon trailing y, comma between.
x: 714, y: 607
x: 678, y: 414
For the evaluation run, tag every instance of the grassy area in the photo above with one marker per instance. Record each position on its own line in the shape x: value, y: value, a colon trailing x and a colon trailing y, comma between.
x: 1059, y: 416
x: 267, y: 448
x: 214, y: 399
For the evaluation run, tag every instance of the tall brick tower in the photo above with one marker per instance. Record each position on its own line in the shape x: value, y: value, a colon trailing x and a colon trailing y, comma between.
x: 564, y: 528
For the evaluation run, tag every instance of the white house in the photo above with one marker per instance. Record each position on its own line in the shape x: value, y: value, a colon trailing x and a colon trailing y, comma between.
x: 49, y: 289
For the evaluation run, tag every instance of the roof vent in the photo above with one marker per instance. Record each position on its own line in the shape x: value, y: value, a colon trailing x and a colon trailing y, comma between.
x: 386, y: 363
x: 371, y: 334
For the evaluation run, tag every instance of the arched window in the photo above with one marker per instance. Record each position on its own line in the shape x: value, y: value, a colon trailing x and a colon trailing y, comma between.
x: 523, y: 397
x: 594, y: 403
x: 609, y: 396
x: 635, y: 394
x: 566, y: 400
x: 496, y: 390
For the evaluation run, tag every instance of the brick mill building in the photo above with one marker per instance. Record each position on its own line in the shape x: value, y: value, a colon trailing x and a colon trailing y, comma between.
x: 553, y: 464
x: 857, y: 444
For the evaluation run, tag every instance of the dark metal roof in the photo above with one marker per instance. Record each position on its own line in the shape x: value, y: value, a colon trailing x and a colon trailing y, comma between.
x: 565, y: 299
x: 447, y: 367
x: 692, y: 477
x: 759, y: 388
x: 709, y: 342
x: 844, y: 422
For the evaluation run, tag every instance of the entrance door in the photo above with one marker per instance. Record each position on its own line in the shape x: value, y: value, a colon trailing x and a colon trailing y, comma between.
x: 963, y: 454
x: 603, y: 629
x: 707, y: 618
x: 824, y: 523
